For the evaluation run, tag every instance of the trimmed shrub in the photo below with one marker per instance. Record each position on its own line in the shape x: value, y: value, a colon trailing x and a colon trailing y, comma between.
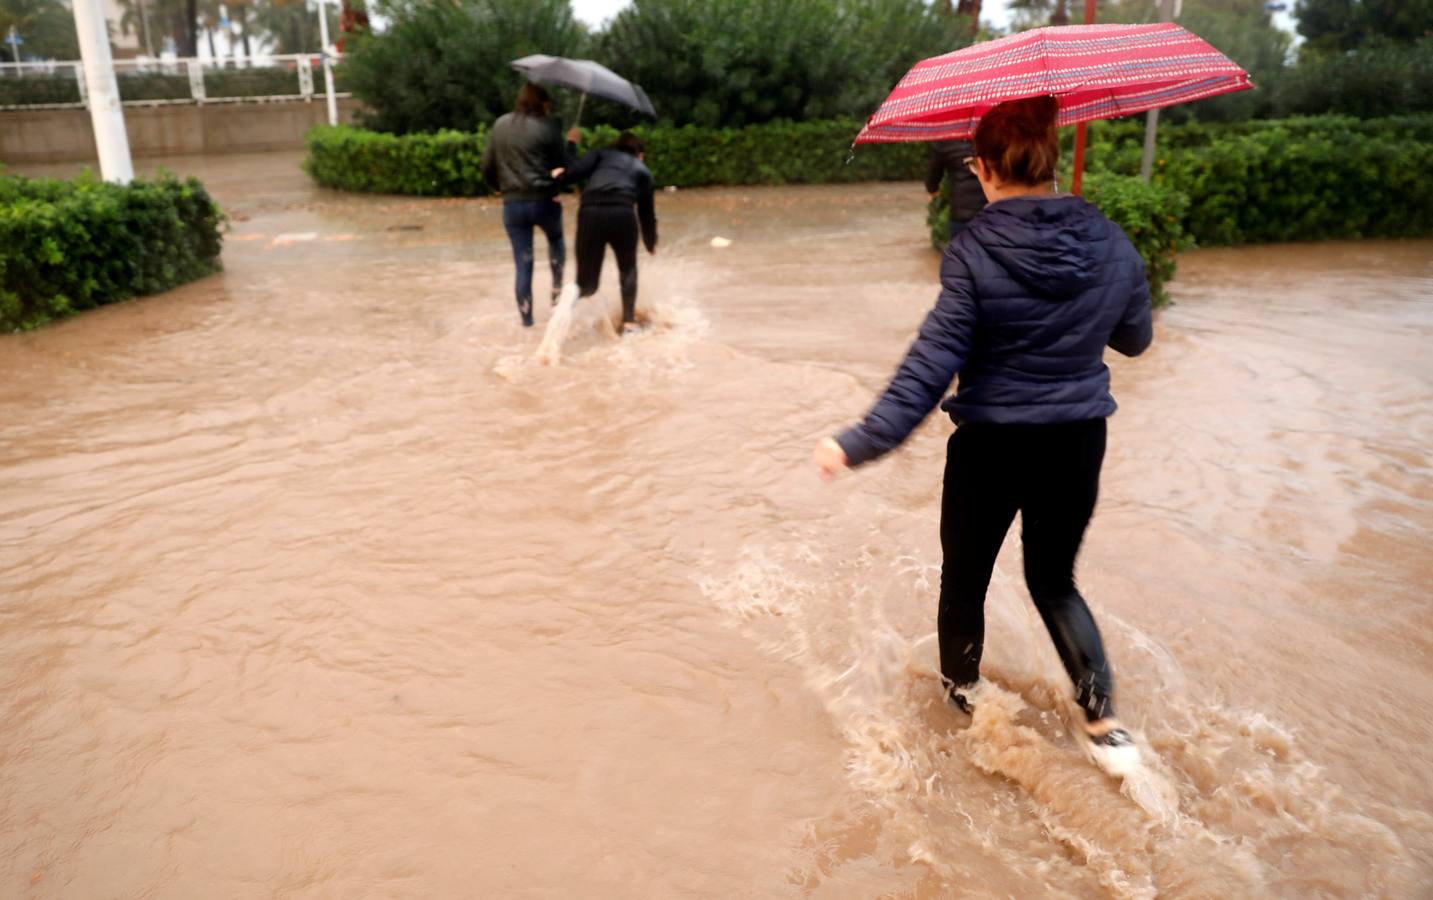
x: 72, y: 245
x: 1290, y: 180
x: 444, y: 164
x: 448, y: 163
x: 1151, y: 215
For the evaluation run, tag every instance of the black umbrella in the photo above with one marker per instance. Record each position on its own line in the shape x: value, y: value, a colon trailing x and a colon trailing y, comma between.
x: 586, y: 76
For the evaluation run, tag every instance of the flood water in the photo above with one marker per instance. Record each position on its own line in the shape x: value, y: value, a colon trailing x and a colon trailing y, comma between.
x: 315, y: 584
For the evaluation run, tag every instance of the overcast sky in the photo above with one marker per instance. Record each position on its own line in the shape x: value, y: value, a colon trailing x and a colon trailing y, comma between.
x: 595, y: 12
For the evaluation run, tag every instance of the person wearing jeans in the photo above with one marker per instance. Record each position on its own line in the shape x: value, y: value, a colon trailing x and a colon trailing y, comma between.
x: 1032, y: 291
x: 519, y: 219
x: 523, y: 148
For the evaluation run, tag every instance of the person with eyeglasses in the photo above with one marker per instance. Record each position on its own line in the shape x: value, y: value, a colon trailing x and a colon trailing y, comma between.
x: 1032, y: 291
x: 951, y: 159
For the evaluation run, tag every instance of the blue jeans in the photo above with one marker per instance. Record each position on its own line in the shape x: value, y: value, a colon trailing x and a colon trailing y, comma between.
x: 519, y: 217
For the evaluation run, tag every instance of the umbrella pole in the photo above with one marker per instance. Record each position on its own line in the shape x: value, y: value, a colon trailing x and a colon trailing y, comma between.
x: 580, y: 103
x: 1079, y: 175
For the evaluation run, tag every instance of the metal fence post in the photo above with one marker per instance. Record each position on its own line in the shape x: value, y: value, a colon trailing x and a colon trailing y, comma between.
x: 196, y: 80
x: 305, y: 67
x: 327, y: 63
x: 81, y: 86
x: 1151, y: 118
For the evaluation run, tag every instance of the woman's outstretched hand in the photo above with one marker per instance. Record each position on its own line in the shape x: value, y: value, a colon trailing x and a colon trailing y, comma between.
x: 829, y: 458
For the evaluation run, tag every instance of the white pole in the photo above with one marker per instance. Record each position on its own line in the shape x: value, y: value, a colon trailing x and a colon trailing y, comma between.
x: 327, y: 63
x: 106, y: 115
x: 1151, y: 118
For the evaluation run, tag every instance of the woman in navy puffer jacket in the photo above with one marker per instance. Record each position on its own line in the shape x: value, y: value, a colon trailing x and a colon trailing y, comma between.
x: 1032, y: 292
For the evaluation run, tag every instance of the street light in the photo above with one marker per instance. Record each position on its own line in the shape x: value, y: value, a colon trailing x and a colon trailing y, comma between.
x: 327, y: 64
x: 106, y: 115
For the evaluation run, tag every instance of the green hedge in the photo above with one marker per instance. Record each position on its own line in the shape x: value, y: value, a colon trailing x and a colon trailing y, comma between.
x: 1151, y: 215
x: 448, y: 163
x: 1289, y: 180
x: 72, y: 245
x: 443, y: 164
x: 259, y: 81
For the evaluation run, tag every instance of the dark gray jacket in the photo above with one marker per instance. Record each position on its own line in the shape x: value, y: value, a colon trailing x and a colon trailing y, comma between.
x: 617, y: 178
x: 522, y: 151
x: 1032, y: 291
x: 966, y: 196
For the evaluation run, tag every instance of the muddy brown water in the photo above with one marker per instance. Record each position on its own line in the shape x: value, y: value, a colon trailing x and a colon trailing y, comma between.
x: 314, y: 584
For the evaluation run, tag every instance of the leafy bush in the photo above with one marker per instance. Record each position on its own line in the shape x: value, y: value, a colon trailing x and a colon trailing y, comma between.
x: 1151, y: 216
x: 1296, y: 179
x: 444, y: 164
x: 447, y: 65
x: 36, y: 90
x: 448, y: 163
x: 72, y: 245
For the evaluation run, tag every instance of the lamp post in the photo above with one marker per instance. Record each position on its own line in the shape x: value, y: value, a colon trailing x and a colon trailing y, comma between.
x: 106, y: 115
x: 327, y: 63
x: 1151, y: 118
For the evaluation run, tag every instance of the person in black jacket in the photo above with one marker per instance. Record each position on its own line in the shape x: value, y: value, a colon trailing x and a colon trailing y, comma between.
x: 952, y: 158
x: 1031, y: 293
x: 618, y: 182
x: 523, y: 148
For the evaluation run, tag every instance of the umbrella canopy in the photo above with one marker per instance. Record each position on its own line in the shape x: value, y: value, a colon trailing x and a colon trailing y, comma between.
x: 1095, y: 71
x: 586, y: 76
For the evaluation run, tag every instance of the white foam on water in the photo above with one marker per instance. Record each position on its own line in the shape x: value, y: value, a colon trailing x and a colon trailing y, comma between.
x: 549, y: 352
x: 1222, y: 803
x: 672, y: 322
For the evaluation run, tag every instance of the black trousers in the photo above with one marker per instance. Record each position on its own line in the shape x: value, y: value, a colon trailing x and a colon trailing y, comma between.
x: 597, y: 227
x: 1050, y: 474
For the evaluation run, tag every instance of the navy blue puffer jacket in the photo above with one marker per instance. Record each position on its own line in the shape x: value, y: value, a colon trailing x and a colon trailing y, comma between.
x: 1031, y: 293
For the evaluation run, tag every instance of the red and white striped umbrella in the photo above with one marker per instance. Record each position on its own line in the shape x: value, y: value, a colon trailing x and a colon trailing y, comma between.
x: 1095, y: 71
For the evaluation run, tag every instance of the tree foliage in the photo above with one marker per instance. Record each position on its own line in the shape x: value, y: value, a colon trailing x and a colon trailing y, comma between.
x: 728, y: 63
x: 448, y: 64
x: 46, y: 26
x: 1331, y: 26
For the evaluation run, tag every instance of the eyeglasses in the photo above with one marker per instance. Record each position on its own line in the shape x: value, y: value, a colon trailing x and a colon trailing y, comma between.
x: 970, y: 164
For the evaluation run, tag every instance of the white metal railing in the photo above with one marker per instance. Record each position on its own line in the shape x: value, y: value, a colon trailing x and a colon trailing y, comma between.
x: 171, y: 80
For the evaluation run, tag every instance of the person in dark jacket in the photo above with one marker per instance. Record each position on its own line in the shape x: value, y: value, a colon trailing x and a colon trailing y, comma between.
x: 618, y: 183
x: 524, y: 146
x: 952, y: 158
x: 1031, y: 293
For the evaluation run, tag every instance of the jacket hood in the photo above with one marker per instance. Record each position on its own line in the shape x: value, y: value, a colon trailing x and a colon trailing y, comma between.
x: 1052, y: 245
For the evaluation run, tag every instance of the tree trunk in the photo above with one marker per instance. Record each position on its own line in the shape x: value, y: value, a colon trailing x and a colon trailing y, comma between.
x: 191, y: 29
x: 971, y: 9
x: 1061, y: 16
x: 144, y: 23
